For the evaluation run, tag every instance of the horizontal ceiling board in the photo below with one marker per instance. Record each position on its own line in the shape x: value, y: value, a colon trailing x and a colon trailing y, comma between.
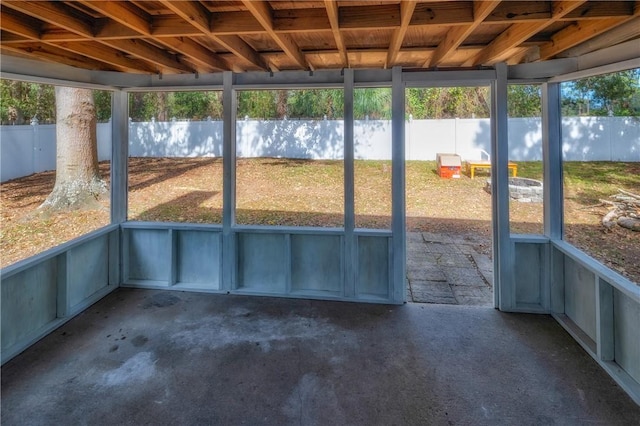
x: 189, y: 36
x: 371, y: 39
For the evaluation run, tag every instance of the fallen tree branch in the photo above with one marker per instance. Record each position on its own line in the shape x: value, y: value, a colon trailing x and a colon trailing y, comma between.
x: 624, y: 211
x: 630, y: 194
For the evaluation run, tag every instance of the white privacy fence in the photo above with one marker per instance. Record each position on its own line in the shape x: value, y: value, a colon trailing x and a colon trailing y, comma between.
x: 29, y: 149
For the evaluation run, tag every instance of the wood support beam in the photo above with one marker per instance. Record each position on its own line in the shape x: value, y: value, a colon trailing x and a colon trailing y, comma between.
x: 457, y: 35
x: 130, y: 16
x: 406, y: 12
x: 198, y: 16
x: 142, y: 49
x: 55, y: 13
x: 334, y: 19
x: 264, y: 14
x: 15, y: 24
x: 57, y: 55
x: 579, y: 33
x: 101, y: 52
x: 518, y: 33
x: 123, y: 12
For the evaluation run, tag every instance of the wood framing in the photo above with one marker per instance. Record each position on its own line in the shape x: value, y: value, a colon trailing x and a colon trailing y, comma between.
x: 168, y: 37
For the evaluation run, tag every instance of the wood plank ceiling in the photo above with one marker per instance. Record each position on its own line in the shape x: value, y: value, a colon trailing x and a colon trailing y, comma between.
x: 208, y: 36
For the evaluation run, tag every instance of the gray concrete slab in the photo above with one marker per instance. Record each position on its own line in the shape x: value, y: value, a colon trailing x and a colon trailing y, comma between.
x: 160, y: 358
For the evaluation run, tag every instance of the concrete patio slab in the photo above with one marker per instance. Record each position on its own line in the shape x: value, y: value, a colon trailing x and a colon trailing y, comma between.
x: 448, y: 269
x: 160, y: 357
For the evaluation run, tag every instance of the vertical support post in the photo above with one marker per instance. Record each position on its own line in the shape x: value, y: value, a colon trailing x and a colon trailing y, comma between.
x: 552, y: 160
x: 118, y: 251
x: 229, y: 106
x: 351, y: 257
x: 398, y: 214
x: 605, y: 345
x: 119, y: 155
x: 553, y: 189
x: 503, y: 256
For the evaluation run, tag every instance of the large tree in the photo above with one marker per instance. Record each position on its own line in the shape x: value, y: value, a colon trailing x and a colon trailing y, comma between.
x: 78, y: 184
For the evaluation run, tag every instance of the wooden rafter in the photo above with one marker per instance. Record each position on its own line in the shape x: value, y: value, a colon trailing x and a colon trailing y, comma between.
x: 57, y: 55
x: 166, y: 36
x: 16, y: 25
x: 332, y: 12
x: 579, y: 33
x: 518, y: 33
x: 55, y: 14
x: 130, y: 16
x: 151, y: 53
x: 406, y: 12
x: 457, y: 35
x: 198, y: 16
x: 103, y: 53
x: 264, y: 14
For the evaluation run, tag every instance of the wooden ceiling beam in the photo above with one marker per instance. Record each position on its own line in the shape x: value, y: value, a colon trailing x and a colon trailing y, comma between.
x: 196, y: 53
x: 518, y: 33
x: 443, y: 13
x: 355, y: 18
x: 457, y: 35
x: 198, y: 16
x: 130, y: 16
x: 123, y: 12
x: 331, y: 7
x: 231, y: 23
x: 57, y: 55
x: 6, y: 37
x: 103, y: 53
x: 623, y: 32
x: 150, y: 53
x: 55, y: 13
x: 264, y: 15
x: 18, y: 25
x: 578, y: 33
x: 91, y: 50
x: 406, y: 12
x: 301, y: 20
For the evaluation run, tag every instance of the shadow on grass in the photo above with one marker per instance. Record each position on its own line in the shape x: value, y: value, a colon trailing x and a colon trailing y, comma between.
x: 186, y: 208
x: 151, y: 171
x: 39, y: 185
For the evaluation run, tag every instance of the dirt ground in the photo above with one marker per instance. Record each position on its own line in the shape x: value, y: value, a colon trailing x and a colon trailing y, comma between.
x: 286, y: 192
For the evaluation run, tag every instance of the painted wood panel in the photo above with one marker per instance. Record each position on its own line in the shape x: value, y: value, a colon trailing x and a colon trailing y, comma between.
x: 627, y: 334
x: 262, y: 263
x: 580, y: 296
x: 149, y: 254
x: 373, y: 267
x: 528, y: 273
x: 87, y: 269
x: 29, y: 302
x: 316, y: 263
x: 198, y: 258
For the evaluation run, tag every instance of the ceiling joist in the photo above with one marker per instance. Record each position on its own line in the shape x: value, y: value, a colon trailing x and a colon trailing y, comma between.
x: 198, y: 36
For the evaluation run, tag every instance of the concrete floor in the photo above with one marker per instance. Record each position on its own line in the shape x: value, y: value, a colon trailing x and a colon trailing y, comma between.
x: 160, y: 357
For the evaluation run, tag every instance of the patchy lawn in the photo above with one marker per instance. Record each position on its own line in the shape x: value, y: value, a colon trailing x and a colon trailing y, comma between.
x: 310, y: 193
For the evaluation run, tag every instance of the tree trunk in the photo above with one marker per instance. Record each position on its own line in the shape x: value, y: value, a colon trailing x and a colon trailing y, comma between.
x: 78, y: 184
